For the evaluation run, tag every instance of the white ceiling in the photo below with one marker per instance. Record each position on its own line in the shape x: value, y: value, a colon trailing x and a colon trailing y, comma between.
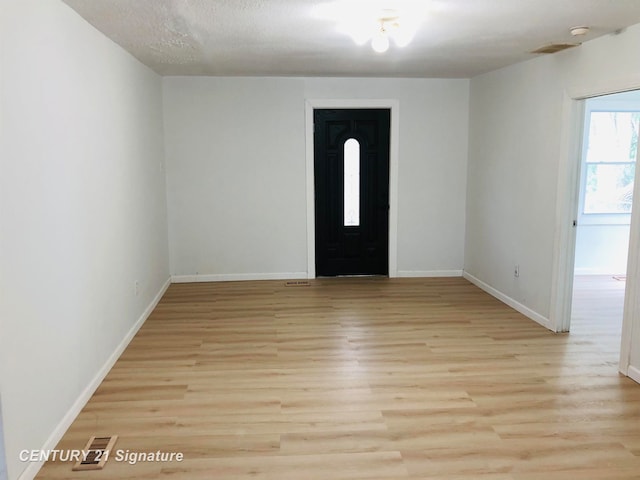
x: 456, y: 38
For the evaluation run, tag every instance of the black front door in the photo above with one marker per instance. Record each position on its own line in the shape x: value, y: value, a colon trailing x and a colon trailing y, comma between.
x: 351, y: 158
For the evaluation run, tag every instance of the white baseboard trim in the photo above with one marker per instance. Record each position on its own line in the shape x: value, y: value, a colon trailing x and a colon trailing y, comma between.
x: 633, y: 373
x: 33, y: 468
x: 526, y: 311
x: 232, y: 277
x: 429, y: 273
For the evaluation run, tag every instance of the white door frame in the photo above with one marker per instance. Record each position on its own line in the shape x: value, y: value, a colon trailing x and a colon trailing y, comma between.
x: 567, y: 207
x: 3, y: 458
x: 631, y: 316
x: 394, y: 106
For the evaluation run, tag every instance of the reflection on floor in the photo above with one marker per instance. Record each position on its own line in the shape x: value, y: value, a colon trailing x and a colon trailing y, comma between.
x: 598, y: 302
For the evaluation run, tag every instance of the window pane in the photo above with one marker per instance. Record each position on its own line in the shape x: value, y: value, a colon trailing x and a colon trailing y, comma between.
x: 613, y: 137
x: 351, y: 183
x: 609, y: 188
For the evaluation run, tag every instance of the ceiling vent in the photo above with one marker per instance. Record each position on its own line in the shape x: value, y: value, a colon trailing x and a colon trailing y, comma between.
x: 555, y: 47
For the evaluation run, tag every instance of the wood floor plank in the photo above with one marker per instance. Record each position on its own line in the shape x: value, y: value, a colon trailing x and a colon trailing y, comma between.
x: 347, y: 466
x: 365, y: 379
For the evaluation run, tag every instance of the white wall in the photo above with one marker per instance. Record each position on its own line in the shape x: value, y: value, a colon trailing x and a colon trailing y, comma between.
x: 235, y: 163
x: 236, y: 172
x: 515, y: 145
x: 515, y: 115
x: 602, y: 249
x: 82, y: 214
x: 3, y: 458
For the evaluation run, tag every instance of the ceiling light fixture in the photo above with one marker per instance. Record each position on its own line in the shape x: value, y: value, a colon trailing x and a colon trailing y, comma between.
x: 375, y: 22
x: 380, y: 41
x: 390, y: 28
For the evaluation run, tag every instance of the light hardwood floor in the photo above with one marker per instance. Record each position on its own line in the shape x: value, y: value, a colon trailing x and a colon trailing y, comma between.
x: 598, y: 304
x: 366, y: 378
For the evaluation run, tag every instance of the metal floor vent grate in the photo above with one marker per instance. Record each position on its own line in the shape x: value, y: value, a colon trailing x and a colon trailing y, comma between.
x: 298, y: 283
x: 96, y: 452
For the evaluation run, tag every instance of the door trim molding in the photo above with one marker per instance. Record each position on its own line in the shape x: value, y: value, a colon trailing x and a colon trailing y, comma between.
x: 394, y: 106
x: 567, y: 189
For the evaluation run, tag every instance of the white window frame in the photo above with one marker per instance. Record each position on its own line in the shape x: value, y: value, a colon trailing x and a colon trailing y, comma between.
x: 599, y: 105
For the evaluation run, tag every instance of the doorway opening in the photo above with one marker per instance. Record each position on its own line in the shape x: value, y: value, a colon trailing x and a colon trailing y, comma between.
x: 606, y: 183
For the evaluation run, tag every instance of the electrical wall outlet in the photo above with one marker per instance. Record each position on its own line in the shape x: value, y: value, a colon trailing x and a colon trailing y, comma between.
x: 136, y: 287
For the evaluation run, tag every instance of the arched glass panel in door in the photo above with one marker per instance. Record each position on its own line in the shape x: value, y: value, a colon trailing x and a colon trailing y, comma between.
x: 351, y: 183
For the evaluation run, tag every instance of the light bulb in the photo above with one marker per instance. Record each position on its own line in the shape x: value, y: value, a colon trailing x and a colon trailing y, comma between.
x: 380, y: 42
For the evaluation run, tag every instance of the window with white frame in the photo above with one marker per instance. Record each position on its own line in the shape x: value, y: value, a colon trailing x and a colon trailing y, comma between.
x: 610, y: 162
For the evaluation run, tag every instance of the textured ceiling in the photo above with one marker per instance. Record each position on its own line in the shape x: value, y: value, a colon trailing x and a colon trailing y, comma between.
x: 456, y: 38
